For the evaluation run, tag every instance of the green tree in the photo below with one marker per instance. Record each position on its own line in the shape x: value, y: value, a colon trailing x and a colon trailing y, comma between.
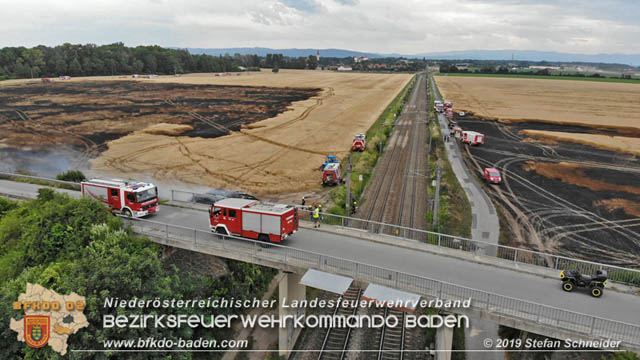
x: 35, y: 59
x: 75, y: 68
x: 626, y: 355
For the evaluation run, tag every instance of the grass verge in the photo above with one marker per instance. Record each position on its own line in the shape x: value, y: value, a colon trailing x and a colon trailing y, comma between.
x: 454, y: 212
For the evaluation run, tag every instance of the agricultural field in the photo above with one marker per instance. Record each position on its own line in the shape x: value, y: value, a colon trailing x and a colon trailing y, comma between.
x: 564, y: 189
x: 262, y: 132
x: 602, y: 109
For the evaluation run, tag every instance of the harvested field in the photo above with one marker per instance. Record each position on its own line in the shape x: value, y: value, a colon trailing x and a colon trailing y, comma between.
x: 626, y: 144
x: 218, y: 131
x: 562, y: 197
x: 604, y: 108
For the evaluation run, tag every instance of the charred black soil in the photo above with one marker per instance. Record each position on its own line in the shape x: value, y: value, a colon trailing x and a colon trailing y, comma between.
x: 77, y: 119
x: 553, y: 192
x: 84, y: 116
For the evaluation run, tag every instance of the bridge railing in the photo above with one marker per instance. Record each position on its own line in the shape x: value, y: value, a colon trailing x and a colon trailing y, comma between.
x: 517, y: 255
x: 40, y: 180
x: 208, y: 242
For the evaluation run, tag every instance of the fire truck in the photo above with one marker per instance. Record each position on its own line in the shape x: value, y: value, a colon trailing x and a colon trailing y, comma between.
x: 129, y: 199
x: 359, y: 142
x: 449, y: 113
x: 332, y: 174
x: 472, y: 138
x: 253, y: 219
x: 448, y: 105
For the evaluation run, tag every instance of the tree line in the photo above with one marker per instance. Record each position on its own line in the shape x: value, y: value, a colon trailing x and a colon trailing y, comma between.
x: 118, y: 59
x: 113, y: 59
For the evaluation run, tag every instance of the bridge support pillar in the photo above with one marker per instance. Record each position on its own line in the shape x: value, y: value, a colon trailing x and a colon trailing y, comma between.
x: 444, y: 341
x: 289, y: 290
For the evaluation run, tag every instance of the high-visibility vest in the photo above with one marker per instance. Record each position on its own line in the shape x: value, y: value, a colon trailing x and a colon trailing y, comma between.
x: 316, y: 213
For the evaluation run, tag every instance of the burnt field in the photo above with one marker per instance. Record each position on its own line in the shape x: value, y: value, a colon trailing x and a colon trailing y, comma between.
x: 560, y: 197
x: 84, y: 116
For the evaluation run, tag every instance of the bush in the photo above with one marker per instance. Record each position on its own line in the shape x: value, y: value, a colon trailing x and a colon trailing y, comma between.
x: 6, y: 205
x: 72, y: 175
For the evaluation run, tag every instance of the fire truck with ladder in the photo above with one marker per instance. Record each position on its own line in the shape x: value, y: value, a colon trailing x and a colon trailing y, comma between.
x: 359, y: 142
x: 253, y: 219
x: 133, y: 199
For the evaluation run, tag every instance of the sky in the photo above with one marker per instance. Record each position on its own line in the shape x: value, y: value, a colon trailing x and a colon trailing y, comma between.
x: 375, y: 26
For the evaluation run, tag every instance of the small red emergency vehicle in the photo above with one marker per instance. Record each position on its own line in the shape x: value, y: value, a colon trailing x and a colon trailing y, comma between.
x: 492, y: 175
x: 253, y: 219
x: 359, y: 142
x: 130, y: 199
x: 449, y: 113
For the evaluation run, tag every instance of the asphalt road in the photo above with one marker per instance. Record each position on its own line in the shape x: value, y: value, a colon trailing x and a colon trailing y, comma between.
x: 484, y: 226
x: 612, y: 305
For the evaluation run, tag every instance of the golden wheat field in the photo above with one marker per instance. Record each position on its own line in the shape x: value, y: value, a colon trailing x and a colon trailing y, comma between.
x: 274, y: 156
x: 595, y: 104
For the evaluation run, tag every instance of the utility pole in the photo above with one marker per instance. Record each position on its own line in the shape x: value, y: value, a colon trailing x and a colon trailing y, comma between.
x: 436, y: 200
x: 348, y: 204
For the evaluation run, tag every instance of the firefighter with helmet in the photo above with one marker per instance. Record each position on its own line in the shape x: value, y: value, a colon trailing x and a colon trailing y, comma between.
x: 303, y: 201
x: 316, y: 217
x: 354, y: 207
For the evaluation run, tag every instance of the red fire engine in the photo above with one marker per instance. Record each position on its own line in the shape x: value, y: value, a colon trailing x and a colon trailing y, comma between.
x: 129, y: 199
x: 332, y: 174
x: 449, y: 113
x: 359, y: 142
x: 253, y: 219
x: 472, y: 137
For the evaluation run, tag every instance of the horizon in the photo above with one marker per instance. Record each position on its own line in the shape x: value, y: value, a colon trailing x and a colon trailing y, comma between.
x: 367, y: 26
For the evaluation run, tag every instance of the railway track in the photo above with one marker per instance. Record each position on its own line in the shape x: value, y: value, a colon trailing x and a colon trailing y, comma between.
x: 336, y: 340
x: 394, y: 195
x: 392, y: 339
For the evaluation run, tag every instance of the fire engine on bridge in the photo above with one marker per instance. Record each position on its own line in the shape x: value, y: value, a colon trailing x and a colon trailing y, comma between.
x: 253, y: 219
x: 129, y: 199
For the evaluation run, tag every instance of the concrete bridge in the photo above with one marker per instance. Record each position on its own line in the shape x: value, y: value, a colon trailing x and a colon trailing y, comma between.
x: 519, y: 295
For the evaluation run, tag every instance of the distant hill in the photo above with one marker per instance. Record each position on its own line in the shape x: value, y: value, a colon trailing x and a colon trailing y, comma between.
x: 532, y: 55
x: 526, y: 55
x: 338, y: 53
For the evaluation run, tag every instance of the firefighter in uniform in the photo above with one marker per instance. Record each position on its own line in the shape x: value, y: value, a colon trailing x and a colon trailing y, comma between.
x: 303, y: 201
x: 316, y: 217
x: 354, y: 207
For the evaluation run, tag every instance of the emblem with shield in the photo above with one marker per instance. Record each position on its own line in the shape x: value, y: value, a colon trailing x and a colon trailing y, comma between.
x: 36, y: 330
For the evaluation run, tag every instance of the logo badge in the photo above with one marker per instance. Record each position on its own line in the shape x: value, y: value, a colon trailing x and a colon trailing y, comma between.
x: 36, y: 330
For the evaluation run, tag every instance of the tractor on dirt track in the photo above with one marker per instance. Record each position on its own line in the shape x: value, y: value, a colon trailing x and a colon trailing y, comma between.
x: 595, y: 283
